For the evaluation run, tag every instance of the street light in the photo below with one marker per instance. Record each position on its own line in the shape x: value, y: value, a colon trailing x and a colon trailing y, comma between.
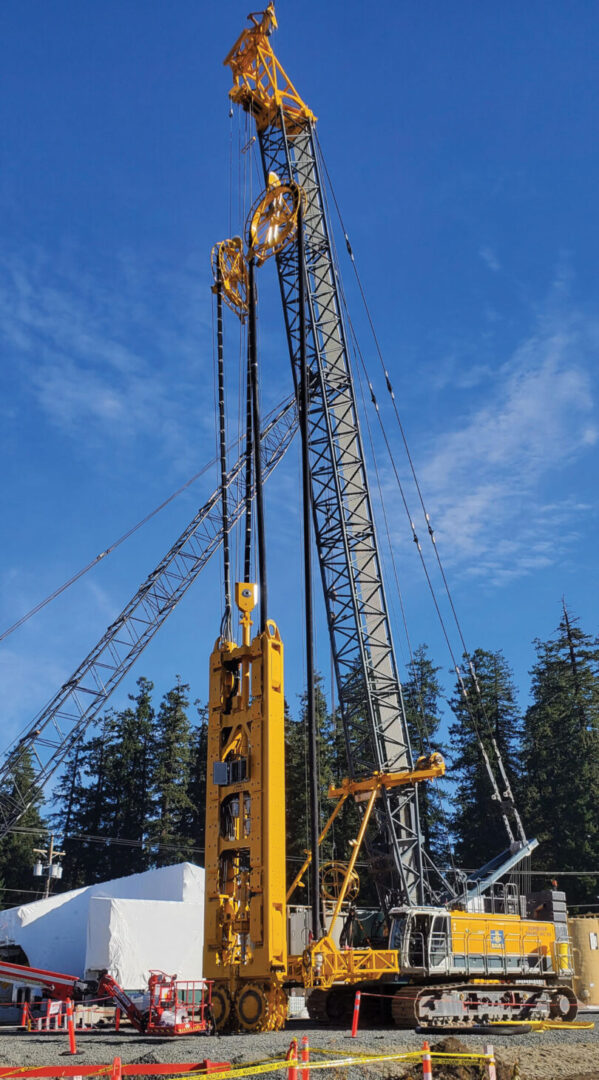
x: 52, y: 870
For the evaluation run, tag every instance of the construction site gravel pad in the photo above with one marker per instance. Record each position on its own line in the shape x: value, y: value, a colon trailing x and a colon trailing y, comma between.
x: 547, y: 1055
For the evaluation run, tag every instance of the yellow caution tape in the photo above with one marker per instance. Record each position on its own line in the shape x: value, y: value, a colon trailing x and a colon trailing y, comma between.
x: 547, y: 1025
x: 354, y: 1059
x: 277, y: 1065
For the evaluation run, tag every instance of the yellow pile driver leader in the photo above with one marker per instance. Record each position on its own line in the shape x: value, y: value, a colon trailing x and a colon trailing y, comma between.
x: 245, y: 936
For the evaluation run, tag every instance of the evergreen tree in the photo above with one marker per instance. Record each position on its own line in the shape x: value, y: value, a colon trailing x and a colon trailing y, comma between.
x: 16, y: 848
x: 333, y: 752
x: 172, y: 770
x: 421, y: 692
x: 86, y: 799
x: 296, y: 798
x: 128, y: 798
x: 106, y: 791
x: 561, y: 753
x: 332, y: 767
x: 193, y: 821
x: 90, y: 817
x: 494, y: 714
x: 68, y: 794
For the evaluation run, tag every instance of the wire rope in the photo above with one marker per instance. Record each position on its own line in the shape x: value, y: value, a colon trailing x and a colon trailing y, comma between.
x: 108, y: 551
x: 425, y: 742
x: 125, y: 536
x: 508, y: 800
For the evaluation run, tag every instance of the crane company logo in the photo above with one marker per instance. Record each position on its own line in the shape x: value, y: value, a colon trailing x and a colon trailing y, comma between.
x: 497, y: 939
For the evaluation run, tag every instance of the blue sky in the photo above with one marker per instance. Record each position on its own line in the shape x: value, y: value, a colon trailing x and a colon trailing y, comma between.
x: 461, y: 144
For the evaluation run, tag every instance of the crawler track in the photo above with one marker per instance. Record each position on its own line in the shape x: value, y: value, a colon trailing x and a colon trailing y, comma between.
x: 464, y: 1005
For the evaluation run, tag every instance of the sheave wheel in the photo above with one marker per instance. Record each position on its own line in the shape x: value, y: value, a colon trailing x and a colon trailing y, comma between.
x: 222, y: 1007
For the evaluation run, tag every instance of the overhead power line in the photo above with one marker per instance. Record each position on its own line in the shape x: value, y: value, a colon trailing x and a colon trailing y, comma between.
x: 94, y: 562
x: 103, y: 554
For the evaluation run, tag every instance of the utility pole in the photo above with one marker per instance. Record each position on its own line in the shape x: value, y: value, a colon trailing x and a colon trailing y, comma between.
x: 52, y: 870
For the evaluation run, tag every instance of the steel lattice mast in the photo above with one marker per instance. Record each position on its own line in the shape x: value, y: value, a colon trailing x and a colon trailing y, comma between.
x: 65, y: 718
x: 366, y: 671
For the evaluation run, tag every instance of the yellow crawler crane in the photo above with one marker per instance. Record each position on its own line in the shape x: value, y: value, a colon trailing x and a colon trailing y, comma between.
x: 454, y: 955
x: 245, y: 940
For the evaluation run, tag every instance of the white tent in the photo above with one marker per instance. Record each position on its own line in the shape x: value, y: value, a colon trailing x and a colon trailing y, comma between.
x: 128, y: 925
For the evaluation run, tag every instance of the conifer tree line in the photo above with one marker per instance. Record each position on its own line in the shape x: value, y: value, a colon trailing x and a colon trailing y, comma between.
x: 131, y: 795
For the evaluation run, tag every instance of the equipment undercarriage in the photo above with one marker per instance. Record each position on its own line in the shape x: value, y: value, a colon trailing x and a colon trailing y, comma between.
x: 452, y: 1005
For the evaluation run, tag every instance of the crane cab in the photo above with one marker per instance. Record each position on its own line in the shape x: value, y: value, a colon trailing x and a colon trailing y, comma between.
x: 422, y: 937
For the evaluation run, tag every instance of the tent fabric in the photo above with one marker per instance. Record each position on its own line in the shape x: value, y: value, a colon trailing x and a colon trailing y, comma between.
x: 53, y: 933
x: 131, y: 937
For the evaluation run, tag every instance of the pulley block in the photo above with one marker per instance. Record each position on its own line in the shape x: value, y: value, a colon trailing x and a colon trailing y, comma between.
x: 272, y: 221
x: 228, y: 259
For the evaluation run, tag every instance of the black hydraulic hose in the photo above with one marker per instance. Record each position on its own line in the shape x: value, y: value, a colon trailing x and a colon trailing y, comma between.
x: 226, y: 628
x: 253, y: 358
x: 309, y: 618
x: 247, y: 562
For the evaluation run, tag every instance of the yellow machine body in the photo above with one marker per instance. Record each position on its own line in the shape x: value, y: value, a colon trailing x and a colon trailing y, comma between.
x: 245, y: 939
x: 439, y: 942
x: 504, y: 943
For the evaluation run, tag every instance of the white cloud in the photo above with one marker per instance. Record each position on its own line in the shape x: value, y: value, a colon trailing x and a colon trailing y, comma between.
x: 28, y: 680
x: 490, y: 259
x: 494, y: 481
x: 108, y: 361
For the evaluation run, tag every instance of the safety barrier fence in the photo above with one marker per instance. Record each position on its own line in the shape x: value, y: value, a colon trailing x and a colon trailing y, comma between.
x: 292, y: 1064
x: 50, y: 1016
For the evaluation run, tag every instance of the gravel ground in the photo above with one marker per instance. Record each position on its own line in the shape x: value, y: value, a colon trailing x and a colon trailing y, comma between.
x: 548, y: 1055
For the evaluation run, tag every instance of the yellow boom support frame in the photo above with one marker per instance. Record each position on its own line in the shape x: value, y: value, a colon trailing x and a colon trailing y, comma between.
x: 260, y: 84
x: 323, y: 963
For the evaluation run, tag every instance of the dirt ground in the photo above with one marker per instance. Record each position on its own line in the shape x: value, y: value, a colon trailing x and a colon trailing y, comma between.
x: 549, y: 1055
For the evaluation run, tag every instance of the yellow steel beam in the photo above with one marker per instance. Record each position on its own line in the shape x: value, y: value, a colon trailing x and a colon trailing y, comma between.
x: 354, y: 856
x: 427, y: 768
x: 297, y: 879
